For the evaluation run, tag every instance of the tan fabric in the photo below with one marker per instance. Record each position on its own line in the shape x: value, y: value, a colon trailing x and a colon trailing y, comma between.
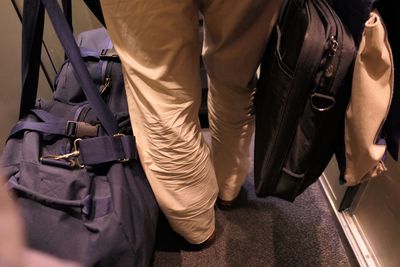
x: 372, y: 91
x: 158, y: 44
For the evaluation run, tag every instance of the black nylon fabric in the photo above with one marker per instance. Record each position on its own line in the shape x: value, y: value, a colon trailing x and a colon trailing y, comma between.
x: 354, y: 14
x: 391, y: 130
x: 33, y: 14
x: 301, y: 98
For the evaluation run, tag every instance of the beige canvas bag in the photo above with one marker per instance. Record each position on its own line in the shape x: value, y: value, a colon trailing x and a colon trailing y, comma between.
x: 372, y: 90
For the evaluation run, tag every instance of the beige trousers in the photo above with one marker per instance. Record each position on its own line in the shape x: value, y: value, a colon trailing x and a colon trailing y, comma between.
x: 158, y: 43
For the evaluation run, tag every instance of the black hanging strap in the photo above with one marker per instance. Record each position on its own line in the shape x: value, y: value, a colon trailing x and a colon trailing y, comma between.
x: 32, y: 35
x: 67, y: 8
x: 95, y: 7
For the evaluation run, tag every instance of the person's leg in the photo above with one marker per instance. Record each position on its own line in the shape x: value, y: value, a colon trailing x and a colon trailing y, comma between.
x: 236, y: 33
x: 158, y: 44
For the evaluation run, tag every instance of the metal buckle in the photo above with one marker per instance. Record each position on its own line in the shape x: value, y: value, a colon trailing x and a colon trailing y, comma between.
x: 76, y: 149
x: 109, y: 54
x: 81, y: 129
x: 72, y: 157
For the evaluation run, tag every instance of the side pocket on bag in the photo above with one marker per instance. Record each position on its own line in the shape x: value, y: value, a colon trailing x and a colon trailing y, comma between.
x: 279, y: 56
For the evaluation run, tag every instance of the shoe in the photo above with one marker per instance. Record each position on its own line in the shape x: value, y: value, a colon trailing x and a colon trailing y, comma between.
x: 226, y: 204
x: 203, y: 245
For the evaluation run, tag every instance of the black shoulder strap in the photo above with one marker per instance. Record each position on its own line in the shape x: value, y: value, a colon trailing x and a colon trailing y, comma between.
x: 67, y: 8
x: 32, y: 35
x: 95, y: 7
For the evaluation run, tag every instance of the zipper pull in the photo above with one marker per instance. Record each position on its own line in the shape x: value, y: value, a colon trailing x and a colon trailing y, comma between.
x: 107, y: 84
x: 332, y: 48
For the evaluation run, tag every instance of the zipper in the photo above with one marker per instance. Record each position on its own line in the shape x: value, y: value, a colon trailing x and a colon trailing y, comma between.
x: 332, y: 61
x: 107, y: 84
x: 329, y: 68
x: 107, y: 80
x: 332, y: 48
x: 321, y: 98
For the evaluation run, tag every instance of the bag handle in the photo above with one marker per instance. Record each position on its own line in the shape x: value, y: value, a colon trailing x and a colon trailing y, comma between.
x: 89, y: 206
x: 32, y: 28
x: 84, y: 204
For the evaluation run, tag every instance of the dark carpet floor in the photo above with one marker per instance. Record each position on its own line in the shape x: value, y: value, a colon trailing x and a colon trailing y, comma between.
x: 267, y: 232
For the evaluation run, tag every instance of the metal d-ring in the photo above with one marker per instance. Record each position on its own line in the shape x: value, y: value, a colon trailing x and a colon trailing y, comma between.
x: 317, y: 96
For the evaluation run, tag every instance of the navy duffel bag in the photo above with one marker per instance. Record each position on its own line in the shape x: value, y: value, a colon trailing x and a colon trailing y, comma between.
x: 72, y: 161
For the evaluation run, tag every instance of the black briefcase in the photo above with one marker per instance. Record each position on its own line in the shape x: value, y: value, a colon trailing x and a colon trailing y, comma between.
x: 301, y: 98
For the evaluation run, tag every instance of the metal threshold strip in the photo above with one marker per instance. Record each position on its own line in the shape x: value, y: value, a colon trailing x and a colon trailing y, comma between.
x: 352, y: 230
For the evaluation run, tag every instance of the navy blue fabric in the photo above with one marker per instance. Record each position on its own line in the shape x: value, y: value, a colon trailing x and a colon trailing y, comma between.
x: 51, y: 124
x: 109, y: 200
x: 31, y: 51
x: 68, y: 42
x: 108, y: 149
x: 101, y: 206
x: 58, y: 128
x: 46, y: 116
x: 43, y: 127
x: 86, y: 52
x: 80, y: 203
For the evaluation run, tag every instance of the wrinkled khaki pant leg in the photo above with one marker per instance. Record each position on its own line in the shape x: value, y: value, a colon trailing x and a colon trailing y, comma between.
x: 158, y: 44
x: 236, y: 32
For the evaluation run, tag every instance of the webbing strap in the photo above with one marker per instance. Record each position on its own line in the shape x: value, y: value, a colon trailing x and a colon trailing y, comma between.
x: 68, y: 42
x: 57, y: 128
x: 105, y: 149
x: 33, y: 23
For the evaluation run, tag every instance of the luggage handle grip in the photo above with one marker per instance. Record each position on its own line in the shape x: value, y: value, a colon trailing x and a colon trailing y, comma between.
x: 84, y: 204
